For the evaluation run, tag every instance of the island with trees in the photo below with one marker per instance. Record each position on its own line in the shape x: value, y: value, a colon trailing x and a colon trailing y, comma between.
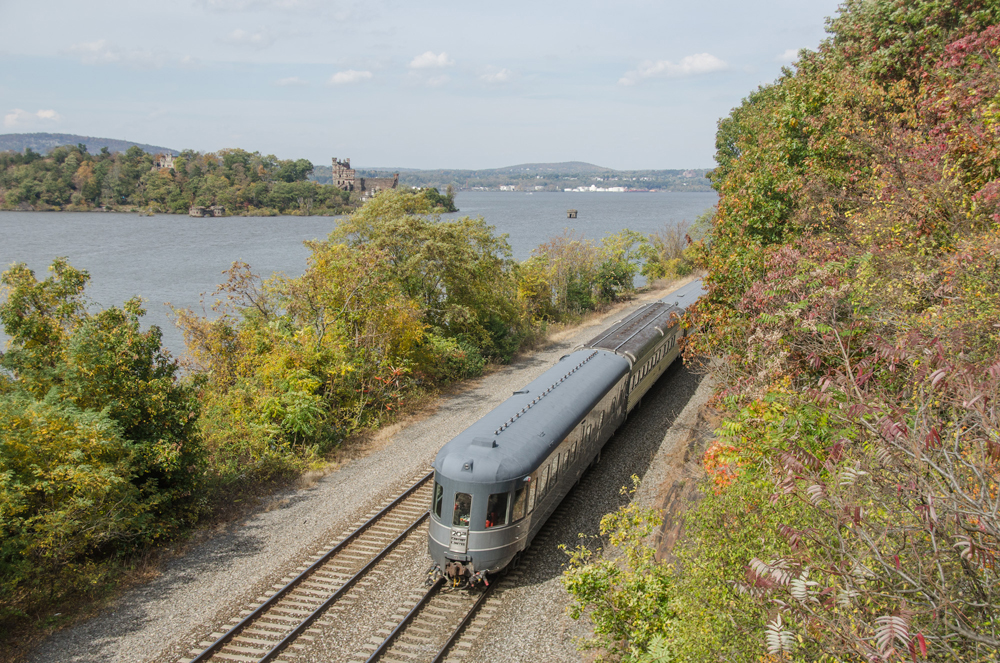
x: 69, y: 178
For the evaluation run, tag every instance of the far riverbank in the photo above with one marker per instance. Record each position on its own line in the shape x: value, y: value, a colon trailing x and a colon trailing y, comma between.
x: 177, y: 258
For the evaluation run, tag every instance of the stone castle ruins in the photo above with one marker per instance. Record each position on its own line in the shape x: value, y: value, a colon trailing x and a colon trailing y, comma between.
x: 345, y: 177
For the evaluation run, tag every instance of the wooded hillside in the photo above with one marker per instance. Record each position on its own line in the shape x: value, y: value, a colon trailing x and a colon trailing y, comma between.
x: 70, y: 178
x: 851, y: 510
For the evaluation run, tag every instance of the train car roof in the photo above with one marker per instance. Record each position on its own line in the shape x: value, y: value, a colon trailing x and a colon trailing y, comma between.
x: 631, y: 334
x: 686, y: 295
x: 519, y: 434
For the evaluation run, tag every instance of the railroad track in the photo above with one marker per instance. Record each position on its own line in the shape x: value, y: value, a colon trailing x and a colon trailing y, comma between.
x: 432, y: 626
x: 265, y: 632
x: 444, y: 624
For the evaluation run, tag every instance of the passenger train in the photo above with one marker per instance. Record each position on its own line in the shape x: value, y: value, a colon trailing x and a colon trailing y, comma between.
x: 497, y: 482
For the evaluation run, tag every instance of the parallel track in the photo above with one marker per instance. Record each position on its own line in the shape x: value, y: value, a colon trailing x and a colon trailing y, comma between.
x: 442, y: 625
x: 264, y: 633
x: 430, y: 629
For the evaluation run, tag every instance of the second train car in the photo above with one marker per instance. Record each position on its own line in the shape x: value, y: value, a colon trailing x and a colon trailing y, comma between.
x: 497, y: 482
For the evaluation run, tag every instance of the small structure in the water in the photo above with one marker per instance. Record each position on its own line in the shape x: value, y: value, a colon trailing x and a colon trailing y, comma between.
x: 571, y: 214
x: 214, y: 210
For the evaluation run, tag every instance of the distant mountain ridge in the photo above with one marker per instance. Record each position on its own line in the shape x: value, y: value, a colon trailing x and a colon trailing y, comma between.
x: 45, y: 143
x: 563, y: 176
x: 581, y: 167
x: 539, y: 177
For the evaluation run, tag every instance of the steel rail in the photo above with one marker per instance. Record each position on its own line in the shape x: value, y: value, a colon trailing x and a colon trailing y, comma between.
x: 406, y: 620
x: 278, y: 648
x: 225, y: 638
x: 465, y: 622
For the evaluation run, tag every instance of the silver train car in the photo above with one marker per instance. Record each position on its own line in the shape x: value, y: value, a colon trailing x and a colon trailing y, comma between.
x: 497, y: 482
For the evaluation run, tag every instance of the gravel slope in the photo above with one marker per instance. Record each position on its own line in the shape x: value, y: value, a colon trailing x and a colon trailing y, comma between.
x: 202, y: 589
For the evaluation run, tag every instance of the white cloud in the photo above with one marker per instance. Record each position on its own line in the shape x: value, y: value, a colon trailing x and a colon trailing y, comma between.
x: 103, y: 52
x: 438, y: 81
x: 791, y: 55
x: 429, y: 59
x: 96, y: 52
x: 21, y: 117
x: 349, y: 76
x: 259, y: 40
x: 292, y: 81
x: 690, y: 65
x: 502, y: 76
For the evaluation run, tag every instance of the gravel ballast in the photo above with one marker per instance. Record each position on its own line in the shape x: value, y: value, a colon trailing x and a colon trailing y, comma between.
x: 197, y: 592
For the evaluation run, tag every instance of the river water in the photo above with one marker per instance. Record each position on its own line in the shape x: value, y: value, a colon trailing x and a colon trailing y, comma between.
x: 172, y: 258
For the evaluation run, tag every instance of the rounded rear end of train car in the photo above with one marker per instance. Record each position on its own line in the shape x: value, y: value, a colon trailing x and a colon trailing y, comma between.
x: 497, y: 482
x: 476, y: 529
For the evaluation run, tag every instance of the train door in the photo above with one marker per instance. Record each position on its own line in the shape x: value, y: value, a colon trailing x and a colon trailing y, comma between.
x: 462, y: 513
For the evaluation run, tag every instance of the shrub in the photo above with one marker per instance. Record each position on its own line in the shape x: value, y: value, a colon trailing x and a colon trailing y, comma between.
x: 99, y: 451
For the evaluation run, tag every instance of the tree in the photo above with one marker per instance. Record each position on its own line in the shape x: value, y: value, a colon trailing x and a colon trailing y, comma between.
x: 100, y: 453
x: 460, y: 272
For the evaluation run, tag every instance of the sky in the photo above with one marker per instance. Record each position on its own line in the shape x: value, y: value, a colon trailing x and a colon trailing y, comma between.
x: 630, y: 84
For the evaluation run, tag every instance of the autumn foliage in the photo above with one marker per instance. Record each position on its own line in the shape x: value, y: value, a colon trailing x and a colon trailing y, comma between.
x: 855, y: 298
x: 851, y: 498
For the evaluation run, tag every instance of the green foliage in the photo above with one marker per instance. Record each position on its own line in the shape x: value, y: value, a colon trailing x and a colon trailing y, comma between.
x: 678, y: 249
x: 445, y: 202
x: 459, y: 273
x: 569, y: 275
x: 849, y: 509
x: 445, y: 360
x: 244, y: 182
x: 99, y: 452
x: 625, y: 593
x: 392, y: 303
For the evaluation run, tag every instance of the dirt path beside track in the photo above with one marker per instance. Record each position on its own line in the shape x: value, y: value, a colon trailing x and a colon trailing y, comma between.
x: 195, y: 592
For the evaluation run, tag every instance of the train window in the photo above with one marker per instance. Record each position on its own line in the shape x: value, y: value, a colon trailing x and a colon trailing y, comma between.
x: 463, y: 507
x: 532, y: 489
x: 572, y: 452
x: 520, y: 499
x: 543, y: 481
x: 555, y: 470
x: 438, y: 498
x: 496, y: 510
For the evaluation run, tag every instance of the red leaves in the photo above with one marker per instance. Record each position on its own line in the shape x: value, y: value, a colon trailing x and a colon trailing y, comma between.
x: 791, y: 463
x: 937, y: 376
x: 853, y: 512
x: 933, y: 439
x: 793, y: 535
x: 892, y: 629
x: 993, y: 450
x: 892, y: 430
x: 835, y: 453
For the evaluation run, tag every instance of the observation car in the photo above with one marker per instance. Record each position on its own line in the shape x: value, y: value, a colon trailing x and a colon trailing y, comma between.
x: 497, y: 482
